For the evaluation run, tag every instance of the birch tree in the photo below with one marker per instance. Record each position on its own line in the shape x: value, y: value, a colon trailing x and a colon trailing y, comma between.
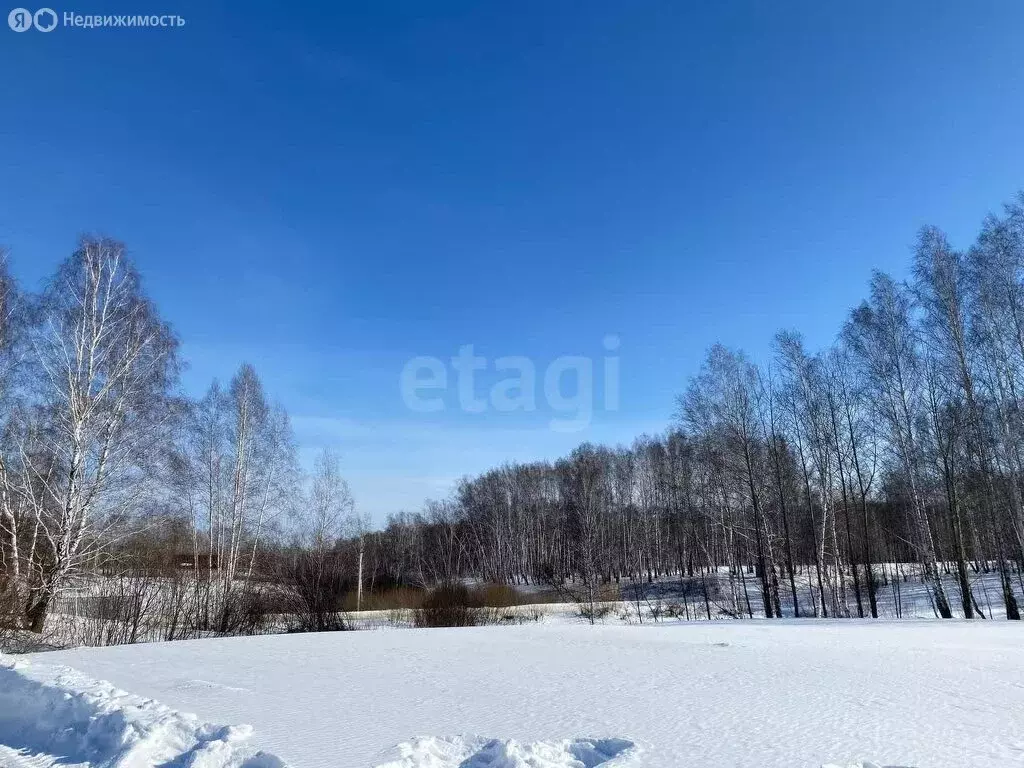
x: 12, y: 503
x: 883, y: 339
x: 105, y: 367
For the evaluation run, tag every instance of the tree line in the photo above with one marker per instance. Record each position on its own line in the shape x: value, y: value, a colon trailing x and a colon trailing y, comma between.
x: 798, y: 478
x: 901, y: 442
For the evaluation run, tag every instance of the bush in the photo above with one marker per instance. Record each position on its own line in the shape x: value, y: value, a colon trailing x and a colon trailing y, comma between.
x: 319, y: 583
x: 594, y: 612
x: 245, y: 611
x: 448, y: 605
x: 453, y: 604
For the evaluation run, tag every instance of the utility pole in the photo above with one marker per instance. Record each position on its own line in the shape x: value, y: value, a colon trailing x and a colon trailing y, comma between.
x: 359, y: 580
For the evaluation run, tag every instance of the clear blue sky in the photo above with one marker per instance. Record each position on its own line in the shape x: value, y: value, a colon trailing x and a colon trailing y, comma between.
x: 329, y: 190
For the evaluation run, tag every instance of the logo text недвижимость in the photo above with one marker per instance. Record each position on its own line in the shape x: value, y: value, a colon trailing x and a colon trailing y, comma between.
x: 47, y: 19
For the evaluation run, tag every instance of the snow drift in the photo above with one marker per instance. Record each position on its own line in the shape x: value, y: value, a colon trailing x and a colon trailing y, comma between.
x: 476, y: 752
x: 60, y: 713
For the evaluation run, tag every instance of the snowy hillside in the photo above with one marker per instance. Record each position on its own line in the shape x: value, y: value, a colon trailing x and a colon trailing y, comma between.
x: 743, y: 693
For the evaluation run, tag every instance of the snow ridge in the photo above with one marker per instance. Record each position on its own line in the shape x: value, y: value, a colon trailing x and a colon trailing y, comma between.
x: 57, y: 712
x: 477, y: 752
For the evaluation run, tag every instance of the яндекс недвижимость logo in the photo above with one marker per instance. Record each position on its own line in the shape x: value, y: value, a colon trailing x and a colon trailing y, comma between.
x: 46, y: 20
x: 22, y: 19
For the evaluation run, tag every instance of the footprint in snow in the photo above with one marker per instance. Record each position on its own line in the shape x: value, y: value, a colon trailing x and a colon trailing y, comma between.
x: 191, y: 685
x: 476, y: 752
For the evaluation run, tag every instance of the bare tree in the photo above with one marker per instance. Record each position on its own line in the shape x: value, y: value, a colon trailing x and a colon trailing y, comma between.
x: 882, y: 337
x: 240, y: 478
x: 12, y: 502
x: 106, y: 364
x: 721, y: 401
x: 586, y: 495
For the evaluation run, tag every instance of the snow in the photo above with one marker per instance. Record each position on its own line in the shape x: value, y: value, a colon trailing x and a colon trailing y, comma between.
x: 476, y: 752
x: 696, y: 695
x: 57, y: 716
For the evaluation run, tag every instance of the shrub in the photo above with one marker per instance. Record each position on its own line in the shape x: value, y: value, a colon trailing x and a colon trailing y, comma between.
x: 448, y: 605
x: 594, y: 611
x: 245, y: 611
x: 320, y: 584
x: 452, y: 604
x: 256, y: 606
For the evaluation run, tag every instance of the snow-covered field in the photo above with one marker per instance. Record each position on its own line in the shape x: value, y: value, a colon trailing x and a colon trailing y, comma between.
x: 695, y: 695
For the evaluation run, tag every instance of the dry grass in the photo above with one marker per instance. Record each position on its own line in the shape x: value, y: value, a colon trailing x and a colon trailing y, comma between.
x: 392, y: 599
x: 486, y: 595
x: 609, y: 593
x: 497, y: 596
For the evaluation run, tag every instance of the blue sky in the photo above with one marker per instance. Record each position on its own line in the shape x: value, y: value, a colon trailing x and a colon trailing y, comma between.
x: 328, y: 191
